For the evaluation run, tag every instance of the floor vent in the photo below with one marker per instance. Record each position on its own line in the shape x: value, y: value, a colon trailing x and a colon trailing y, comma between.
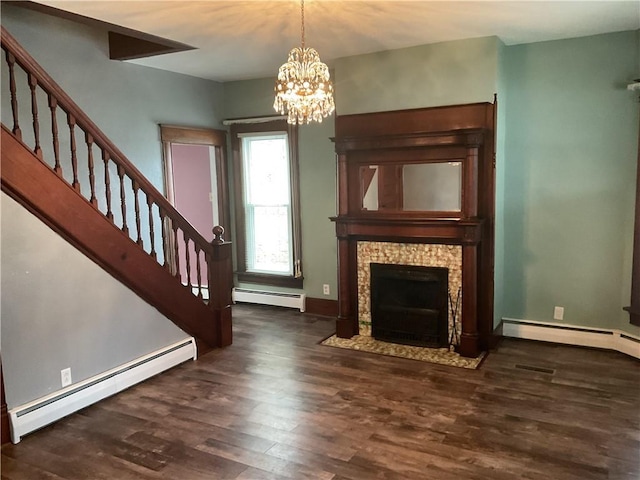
x: 278, y: 299
x: 536, y: 369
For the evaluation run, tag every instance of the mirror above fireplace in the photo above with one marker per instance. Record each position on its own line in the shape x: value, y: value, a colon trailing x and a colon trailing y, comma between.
x: 412, y: 187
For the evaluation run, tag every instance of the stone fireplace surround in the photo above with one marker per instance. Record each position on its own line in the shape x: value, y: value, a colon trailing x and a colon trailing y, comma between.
x: 459, y: 133
x: 425, y: 255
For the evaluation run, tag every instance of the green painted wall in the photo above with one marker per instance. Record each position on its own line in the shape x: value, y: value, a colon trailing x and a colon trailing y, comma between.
x: 499, y: 260
x: 570, y: 163
x: 249, y: 98
x: 445, y: 73
x: 318, y: 203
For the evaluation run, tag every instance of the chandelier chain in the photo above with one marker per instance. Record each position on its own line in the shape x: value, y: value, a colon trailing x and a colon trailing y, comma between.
x: 302, y: 22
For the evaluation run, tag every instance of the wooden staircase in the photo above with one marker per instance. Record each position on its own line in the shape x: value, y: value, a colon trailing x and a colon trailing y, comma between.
x: 70, y: 175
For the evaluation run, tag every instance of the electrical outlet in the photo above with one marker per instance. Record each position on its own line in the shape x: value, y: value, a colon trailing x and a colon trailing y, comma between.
x: 558, y: 313
x: 325, y: 289
x: 65, y: 377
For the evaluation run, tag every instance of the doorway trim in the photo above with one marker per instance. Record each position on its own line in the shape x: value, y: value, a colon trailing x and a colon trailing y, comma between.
x: 217, y: 139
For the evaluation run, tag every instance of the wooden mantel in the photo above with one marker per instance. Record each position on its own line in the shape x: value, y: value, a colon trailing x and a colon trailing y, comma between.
x: 462, y: 133
x: 410, y: 230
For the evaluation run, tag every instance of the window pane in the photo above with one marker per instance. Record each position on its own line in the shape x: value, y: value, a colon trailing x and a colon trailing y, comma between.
x: 269, y: 245
x: 266, y: 170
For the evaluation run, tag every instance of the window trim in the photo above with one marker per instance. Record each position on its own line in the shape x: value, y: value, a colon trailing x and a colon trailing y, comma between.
x: 295, y: 281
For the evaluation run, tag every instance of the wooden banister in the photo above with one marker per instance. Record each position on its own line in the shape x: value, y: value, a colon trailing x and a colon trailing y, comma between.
x: 65, y: 102
x: 117, y: 197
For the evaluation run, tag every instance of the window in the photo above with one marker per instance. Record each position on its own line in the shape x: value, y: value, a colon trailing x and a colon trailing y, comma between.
x: 267, y: 199
x: 267, y: 203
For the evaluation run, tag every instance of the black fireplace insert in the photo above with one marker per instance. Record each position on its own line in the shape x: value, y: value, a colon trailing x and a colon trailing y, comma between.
x: 409, y: 304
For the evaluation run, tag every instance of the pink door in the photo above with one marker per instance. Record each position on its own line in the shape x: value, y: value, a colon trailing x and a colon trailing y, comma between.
x: 195, y: 197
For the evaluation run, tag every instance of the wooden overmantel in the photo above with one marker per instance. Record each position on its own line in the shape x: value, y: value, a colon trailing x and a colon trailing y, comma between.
x: 389, y: 140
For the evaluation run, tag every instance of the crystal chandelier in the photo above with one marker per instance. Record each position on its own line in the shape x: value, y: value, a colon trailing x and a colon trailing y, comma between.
x: 303, y: 88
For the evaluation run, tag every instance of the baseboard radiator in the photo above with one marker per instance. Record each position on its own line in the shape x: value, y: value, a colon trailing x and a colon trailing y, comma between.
x: 572, y: 335
x: 279, y: 299
x: 48, y: 409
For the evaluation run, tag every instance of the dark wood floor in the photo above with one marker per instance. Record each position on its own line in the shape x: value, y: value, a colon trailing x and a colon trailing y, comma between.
x: 276, y: 405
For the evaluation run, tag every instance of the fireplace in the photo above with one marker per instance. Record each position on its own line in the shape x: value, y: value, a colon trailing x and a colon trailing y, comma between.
x: 420, y: 184
x: 409, y: 304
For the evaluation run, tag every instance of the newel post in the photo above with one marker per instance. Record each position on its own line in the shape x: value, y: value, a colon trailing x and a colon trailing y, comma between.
x: 220, y: 285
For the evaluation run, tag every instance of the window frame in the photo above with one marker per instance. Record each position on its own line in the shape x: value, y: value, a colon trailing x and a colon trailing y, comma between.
x: 272, y: 126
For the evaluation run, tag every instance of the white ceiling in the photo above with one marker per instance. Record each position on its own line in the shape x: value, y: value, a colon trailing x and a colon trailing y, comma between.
x: 237, y: 39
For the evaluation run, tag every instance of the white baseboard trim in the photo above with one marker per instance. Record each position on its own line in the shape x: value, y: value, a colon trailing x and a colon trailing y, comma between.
x: 50, y: 408
x: 572, y: 335
x: 278, y: 299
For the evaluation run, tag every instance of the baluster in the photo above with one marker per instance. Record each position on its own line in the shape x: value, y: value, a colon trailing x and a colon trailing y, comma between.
x: 198, y: 274
x: 123, y: 203
x: 151, y: 232
x: 11, y: 60
x: 136, y: 206
x: 165, y: 222
x: 107, y: 184
x: 33, y: 83
x: 53, y: 104
x: 74, y: 158
x: 187, y: 258
x: 177, y: 250
x: 92, y: 178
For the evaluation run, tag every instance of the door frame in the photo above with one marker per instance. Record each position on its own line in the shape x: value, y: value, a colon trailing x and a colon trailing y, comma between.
x: 217, y: 139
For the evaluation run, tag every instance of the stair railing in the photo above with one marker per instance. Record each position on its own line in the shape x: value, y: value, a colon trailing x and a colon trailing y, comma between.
x: 68, y: 141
